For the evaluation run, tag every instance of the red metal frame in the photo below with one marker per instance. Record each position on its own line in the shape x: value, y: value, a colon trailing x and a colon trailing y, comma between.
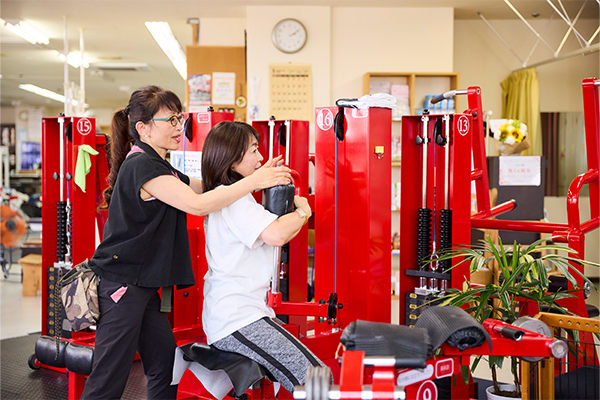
x: 384, y: 380
x: 361, y: 277
x: 298, y: 248
x: 186, y: 315
x: 86, y: 216
x: 573, y: 233
x: 461, y: 126
x: 363, y: 223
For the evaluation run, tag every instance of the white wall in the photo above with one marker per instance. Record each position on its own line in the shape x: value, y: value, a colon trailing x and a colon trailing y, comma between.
x: 222, y: 31
x: 262, y: 52
x: 380, y: 39
x: 7, y: 115
x: 346, y: 42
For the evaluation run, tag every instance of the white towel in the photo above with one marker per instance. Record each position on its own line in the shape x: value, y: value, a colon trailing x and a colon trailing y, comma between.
x: 382, y: 100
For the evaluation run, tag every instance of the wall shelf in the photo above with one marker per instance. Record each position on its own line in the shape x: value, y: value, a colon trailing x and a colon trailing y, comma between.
x: 419, y: 84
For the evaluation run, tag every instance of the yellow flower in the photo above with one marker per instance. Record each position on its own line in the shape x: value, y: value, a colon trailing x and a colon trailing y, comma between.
x: 515, y: 129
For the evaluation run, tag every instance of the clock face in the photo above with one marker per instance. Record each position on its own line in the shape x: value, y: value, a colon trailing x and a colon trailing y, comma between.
x: 289, y: 35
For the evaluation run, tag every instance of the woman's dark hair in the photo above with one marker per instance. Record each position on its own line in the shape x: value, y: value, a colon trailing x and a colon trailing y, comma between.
x: 225, y: 146
x: 144, y: 103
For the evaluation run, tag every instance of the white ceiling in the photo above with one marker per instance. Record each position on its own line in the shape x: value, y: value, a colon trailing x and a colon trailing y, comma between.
x: 114, y: 32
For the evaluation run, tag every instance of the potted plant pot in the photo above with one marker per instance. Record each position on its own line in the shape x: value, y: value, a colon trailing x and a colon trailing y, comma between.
x: 504, y: 388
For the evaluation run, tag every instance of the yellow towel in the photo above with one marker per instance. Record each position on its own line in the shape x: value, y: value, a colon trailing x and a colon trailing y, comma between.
x: 83, y: 164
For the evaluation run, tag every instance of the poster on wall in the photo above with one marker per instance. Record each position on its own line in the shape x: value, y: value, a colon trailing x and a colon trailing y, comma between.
x: 290, y: 91
x: 520, y: 171
x: 189, y: 163
x: 223, y: 88
x: 199, y: 91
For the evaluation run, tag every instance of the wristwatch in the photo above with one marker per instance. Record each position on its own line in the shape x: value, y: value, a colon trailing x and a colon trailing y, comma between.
x: 302, y: 214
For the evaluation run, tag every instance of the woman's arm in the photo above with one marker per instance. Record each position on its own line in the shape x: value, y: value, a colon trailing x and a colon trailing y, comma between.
x: 286, y: 227
x: 196, y: 185
x: 175, y: 193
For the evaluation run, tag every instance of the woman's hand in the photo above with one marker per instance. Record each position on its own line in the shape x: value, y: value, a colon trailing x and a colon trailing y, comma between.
x: 270, y: 174
x: 302, y: 202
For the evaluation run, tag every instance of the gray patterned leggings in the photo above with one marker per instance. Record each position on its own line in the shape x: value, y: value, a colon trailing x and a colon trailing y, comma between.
x: 271, y: 346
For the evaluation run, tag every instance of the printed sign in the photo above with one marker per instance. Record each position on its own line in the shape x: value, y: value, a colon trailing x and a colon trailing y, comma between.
x: 414, y: 375
x: 444, y: 368
x: 202, y: 118
x: 520, y: 171
x: 188, y: 162
x: 360, y: 113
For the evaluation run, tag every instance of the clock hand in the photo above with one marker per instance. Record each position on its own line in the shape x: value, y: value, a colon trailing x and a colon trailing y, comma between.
x: 296, y: 31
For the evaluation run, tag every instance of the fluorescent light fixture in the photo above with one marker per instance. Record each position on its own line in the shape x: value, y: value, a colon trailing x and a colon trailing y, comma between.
x: 26, y: 31
x: 73, y: 59
x: 45, y: 93
x: 166, y: 40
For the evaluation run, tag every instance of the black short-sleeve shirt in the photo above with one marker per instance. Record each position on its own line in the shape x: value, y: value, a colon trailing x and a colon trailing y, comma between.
x: 145, y: 241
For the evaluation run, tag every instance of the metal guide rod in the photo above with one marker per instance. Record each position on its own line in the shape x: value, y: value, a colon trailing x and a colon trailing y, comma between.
x: 276, y: 270
x: 425, y: 120
x: 446, y: 119
x: 68, y: 205
x: 271, y: 133
x: 424, y: 213
x: 287, y: 141
x: 61, y: 157
x: 446, y: 217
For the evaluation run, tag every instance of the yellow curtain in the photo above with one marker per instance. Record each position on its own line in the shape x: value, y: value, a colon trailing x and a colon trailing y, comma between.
x: 521, y: 100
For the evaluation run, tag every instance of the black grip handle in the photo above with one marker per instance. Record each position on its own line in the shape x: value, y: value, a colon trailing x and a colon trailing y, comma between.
x: 512, y: 333
x: 279, y: 199
x: 437, y: 98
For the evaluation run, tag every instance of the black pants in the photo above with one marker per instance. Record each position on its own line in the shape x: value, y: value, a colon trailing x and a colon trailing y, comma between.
x: 133, y: 323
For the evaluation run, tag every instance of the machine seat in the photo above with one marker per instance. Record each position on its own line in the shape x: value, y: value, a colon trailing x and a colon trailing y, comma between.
x: 242, y: 372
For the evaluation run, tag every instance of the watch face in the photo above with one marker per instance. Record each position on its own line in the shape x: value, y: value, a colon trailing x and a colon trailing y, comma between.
x: 289, y: 35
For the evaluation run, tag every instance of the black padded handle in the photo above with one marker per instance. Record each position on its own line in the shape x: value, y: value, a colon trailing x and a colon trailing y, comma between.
x: 279, y: 199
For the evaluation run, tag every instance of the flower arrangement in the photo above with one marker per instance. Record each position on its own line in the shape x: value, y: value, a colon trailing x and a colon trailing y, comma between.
x: 510, y: 132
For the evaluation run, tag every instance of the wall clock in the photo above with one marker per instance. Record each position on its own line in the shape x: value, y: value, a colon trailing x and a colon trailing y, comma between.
x: 289, y: 35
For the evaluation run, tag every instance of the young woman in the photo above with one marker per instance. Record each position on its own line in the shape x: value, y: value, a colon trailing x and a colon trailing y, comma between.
x: 145, y: 245
x: 239, y: 250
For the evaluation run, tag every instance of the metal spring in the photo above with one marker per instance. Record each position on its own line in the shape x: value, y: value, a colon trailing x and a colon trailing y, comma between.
x: 423, y: 236
x: 445, y: 237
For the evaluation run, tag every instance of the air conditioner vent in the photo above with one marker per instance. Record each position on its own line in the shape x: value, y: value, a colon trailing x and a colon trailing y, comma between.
x: 121, y: 67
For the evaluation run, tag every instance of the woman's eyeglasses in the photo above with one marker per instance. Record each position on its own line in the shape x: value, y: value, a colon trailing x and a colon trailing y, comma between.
x: 174, y: 120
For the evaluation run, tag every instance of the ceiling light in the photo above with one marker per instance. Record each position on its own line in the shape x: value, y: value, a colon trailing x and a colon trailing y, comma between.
x: 26, y: 31
x: 166, y: 40
x: 45, y: 93
x: 74, y: 59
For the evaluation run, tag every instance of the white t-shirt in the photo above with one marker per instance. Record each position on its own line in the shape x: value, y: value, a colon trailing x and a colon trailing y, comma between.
x: 240, y: 266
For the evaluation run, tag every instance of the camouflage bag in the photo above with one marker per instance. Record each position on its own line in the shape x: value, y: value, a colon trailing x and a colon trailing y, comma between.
x: 79, y: 295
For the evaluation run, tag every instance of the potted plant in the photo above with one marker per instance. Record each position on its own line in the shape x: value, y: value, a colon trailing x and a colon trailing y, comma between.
x: 521, y: 275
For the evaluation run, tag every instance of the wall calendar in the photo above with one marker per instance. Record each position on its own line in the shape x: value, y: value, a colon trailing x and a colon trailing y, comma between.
x: 290, y: 91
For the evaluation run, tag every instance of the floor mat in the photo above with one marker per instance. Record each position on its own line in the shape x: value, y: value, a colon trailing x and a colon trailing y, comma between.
x: 18, y: 381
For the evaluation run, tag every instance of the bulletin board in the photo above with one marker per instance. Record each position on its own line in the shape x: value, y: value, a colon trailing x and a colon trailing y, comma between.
x: 290, y: 91
x: 220, y: 62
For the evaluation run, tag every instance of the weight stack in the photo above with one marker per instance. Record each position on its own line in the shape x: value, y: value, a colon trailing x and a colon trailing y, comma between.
x: 54, y: 275
x: 416, y: 304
